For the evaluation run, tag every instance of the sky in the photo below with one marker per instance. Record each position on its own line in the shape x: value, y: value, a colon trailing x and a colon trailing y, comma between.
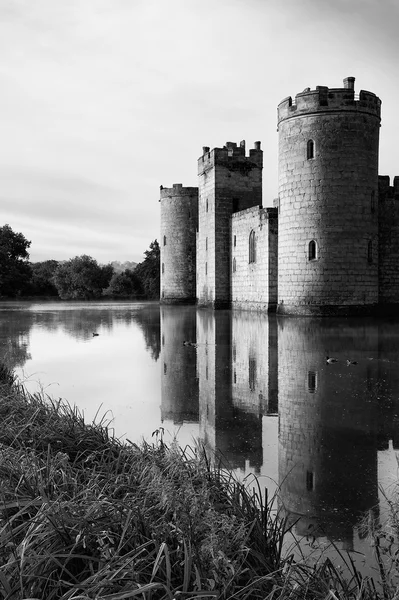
x: 103, y: 101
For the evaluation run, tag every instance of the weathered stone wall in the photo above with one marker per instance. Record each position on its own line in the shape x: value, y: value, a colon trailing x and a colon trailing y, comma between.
x: 388, y: 205
x: 326, y: 195
x: 254, y: 285
x: 179, y: 219
x: 229, y: 181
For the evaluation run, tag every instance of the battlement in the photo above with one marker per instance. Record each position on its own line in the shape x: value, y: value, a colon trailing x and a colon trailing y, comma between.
x: 177, y: 190
x: 324, y: 100
x: 387, y: 191
x: 232, y: 157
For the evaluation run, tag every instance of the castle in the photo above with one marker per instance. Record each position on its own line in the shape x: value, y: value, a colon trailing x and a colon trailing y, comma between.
x: 329, y: 245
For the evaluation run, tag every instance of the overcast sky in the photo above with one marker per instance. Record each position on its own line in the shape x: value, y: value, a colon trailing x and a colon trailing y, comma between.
x: 102, y: 101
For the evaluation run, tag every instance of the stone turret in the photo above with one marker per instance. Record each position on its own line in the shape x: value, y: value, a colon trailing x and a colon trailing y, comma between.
x: 328, y: 188
x: 179, y: 219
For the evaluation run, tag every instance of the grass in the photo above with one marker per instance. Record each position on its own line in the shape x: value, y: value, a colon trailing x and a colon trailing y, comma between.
x: 85, y: 516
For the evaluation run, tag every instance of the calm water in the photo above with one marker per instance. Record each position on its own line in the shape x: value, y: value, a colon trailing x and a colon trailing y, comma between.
x: 255, y: 388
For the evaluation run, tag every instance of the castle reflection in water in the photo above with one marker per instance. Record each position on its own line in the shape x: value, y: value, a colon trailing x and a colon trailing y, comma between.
x: 264, y: 397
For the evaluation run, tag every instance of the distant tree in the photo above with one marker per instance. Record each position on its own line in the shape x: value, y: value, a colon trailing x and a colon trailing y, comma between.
x: 15, y: 271
x: 82, y: 278
x: 124, y: 285
x: 42, y: 282
x: 148, y: 271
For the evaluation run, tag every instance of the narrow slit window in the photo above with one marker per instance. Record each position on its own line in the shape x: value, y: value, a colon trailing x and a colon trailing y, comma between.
x: 163, y: 268
x: 310, y: 149
x: 252, y: 374
x: 312, y: 381
x: 207, y: 205
x: 206, y: 243
x: 164, y: 240
x: 370, y: 252
x: 235, y: 241
x: 372, y: 201
x: 234, y: 265
x: 252, y: 247
x: 312, y: 251
x: 309, y: 481
x: 206, y: 268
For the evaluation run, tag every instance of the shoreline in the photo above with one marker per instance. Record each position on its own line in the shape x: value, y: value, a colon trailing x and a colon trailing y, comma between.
x: 85, y: 515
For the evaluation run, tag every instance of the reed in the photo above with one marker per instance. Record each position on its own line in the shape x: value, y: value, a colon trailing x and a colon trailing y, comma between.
x: 85, y: 516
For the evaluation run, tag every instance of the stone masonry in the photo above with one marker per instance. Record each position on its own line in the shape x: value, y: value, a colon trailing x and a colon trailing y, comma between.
x: 329, y: 246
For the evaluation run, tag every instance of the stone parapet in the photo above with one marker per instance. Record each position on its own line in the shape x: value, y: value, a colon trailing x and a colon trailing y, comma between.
x: 324, y: 99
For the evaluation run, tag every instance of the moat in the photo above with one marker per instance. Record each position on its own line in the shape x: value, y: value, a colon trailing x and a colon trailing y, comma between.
x: 252, y: 387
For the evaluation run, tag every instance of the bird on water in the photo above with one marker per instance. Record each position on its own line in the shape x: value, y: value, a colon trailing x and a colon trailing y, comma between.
x: 330, y: 360
x: 351, y: 362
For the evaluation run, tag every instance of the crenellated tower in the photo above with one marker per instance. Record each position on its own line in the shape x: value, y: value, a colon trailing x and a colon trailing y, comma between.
x: 328, y: 201
x: 179, y: 219
x: 229, y: 181
x: 388, y: 252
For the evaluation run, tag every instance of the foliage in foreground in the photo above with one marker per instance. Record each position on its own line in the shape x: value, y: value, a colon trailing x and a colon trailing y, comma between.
x: 86, y: 516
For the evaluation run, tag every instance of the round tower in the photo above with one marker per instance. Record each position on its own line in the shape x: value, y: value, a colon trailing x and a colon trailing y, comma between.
x: 179, y: 220
x: 328, y: 191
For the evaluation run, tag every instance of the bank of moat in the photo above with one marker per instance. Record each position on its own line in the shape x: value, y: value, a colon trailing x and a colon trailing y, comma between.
x: 330, y: 243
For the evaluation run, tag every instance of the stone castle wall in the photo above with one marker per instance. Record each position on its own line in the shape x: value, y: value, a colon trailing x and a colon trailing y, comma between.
x: 254, y: 284
x: 229, y: 181
x: 388, y: 241
x: 329, y: 246
x: 179, y: 219
x: 328, y: 182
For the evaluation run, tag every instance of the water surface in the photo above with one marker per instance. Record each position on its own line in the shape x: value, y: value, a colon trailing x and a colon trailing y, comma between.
x: 255, y: 388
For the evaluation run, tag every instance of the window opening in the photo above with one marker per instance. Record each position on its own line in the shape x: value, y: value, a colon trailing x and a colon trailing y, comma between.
x: 309, y: 481
x: 206, y: 268
x: 207, y: 205
x: 163, y: 268
x: 164, y: 240
x: 370, y: 252
x: 234, y: 265
x: 252, y: 373
x: 235, y: 241
x: 312, y: 250
x: 206, y: 244
x: 312, y: 381
x: 252, y: 247
x: 310, y: 149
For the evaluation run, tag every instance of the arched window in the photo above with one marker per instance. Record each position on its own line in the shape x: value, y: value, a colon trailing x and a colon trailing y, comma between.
x: 370, y: 252
x: 310, y: 149
x: 312, y: 250
x: 252, y: 247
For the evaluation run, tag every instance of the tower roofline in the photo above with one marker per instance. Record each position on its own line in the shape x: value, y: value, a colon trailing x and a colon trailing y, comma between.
x: 329, y: 100
x: 228, y: 155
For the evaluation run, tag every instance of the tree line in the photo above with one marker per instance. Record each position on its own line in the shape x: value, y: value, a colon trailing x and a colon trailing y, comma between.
x: 80, y: 278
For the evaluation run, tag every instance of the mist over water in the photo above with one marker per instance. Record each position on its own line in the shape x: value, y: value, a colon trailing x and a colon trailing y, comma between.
x: 255, y: 389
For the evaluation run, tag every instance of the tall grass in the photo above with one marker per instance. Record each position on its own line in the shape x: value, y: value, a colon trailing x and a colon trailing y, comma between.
x: 85, y: 516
